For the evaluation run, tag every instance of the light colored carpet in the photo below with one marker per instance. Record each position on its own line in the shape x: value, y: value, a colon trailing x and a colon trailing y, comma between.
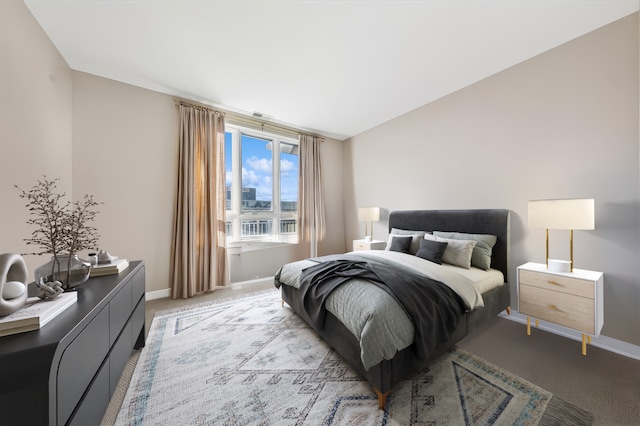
x: 254, y: 362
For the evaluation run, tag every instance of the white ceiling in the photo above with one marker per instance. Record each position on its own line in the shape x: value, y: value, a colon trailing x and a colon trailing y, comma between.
x: 335, y: 68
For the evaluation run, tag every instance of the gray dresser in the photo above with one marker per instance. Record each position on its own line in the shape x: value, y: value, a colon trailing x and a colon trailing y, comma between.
x: 66, y: 372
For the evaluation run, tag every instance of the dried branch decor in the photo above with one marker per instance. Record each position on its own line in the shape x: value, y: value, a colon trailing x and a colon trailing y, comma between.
x: 61, y: 228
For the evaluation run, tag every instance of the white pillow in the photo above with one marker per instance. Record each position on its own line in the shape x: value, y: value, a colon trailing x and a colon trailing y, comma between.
x: 458, y: 252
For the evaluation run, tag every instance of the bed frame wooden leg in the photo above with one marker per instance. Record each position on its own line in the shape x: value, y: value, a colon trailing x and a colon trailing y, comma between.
x: 508, y: 310
x: 382, y: 397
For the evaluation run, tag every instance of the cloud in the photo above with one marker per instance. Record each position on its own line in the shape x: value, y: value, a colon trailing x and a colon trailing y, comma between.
x: 257, y: 173
x: 260, y: 164
x: 286, y: 165
x: 249, y: 177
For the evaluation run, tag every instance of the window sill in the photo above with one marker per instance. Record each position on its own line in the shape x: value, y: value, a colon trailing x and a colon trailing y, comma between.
x: 238, y: 247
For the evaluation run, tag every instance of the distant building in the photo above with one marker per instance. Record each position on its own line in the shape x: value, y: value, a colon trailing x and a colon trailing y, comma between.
x: 256, y: 227
x: 249, y: 202
x: 247, y: 194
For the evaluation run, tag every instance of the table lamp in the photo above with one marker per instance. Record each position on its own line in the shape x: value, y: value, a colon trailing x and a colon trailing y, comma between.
x: 368, y: 215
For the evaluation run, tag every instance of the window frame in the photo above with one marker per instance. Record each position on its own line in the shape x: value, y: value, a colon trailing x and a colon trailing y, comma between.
x: 236, y: 215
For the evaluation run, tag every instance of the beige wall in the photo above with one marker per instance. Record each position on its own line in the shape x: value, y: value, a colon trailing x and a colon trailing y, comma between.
x: 125, y: 153
x: 563, y: 124
x: 35, y: 122
x: 115, y: 141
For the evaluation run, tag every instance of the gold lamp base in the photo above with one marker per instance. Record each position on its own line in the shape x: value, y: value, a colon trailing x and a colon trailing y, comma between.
x: 560, y: 265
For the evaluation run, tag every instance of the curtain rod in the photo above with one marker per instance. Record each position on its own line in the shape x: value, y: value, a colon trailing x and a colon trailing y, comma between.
x: 191, y: 104
x: 246, y: 120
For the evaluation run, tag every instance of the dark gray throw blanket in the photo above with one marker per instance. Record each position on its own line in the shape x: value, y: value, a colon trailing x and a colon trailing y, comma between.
x: 433, y: 307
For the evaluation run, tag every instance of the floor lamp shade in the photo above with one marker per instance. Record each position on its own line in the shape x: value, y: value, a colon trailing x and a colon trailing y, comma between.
x: 368, y: 215
x: 568, y: 214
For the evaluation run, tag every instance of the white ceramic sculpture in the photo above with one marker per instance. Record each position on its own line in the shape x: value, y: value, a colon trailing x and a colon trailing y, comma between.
x: 49, y: 290
x: 104, y: 257
x: 13, y: 289
x: 12, y: 269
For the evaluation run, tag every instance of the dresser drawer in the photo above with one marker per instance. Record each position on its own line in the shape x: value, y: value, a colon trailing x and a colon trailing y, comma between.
x: 560, y: 308
x: 80, y: 362
x: 557, y: 283
x: 137, y: 324
x: 91, y: 411
x: 120, y: 309
x: 118, y: 357
x: 137, y: 287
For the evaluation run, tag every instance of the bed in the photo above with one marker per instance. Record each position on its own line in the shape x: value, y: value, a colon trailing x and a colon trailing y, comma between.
x: 369, y: 326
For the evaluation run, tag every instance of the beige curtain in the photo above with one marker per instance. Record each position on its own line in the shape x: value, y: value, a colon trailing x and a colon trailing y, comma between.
x: 199, y: 254
x: 311, y: 209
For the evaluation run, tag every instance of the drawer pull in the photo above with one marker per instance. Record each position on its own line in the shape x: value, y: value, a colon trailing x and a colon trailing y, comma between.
x: 553, y: 283
x: 553, y: 307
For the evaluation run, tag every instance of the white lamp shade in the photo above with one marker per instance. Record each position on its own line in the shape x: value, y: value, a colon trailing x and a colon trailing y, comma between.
x: 369, y: 214
x: 573, y: 213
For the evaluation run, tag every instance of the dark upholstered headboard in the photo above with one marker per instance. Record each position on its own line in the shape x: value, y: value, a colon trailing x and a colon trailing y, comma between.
x: 489, y: 221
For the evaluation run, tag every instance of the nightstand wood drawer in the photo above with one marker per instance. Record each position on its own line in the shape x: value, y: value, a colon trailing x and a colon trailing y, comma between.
x: 368, y: 245
x: 560, y: 308
x: 571, y: 299
x: 360, y: 245
x: 569, y: 285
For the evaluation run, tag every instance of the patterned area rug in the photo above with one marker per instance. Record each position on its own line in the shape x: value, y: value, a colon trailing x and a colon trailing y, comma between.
x: 251, y: 361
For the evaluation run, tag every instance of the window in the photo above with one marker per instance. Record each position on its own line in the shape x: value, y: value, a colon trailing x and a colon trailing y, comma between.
x: 262, y: 194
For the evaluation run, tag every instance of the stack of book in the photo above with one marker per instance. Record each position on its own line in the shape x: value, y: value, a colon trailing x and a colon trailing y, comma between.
x: 36, y: 313
x: 114, y: 267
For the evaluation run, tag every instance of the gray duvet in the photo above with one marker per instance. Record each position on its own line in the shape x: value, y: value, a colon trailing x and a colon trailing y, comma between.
x: 378, y: 322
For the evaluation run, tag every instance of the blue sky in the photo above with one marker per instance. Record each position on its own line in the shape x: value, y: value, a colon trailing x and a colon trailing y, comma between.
x: 257, y: 165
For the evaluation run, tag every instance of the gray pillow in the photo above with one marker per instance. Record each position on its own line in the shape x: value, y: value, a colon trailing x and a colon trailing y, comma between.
x: 457, y: 253
x: 401, y: 244
x: 416, y: 235
x: 432, y: 250
x: 481, y: 256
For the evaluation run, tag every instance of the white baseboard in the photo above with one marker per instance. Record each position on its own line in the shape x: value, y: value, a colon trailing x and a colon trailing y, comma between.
x: 157, y: 294
x: 607, y: 343
x: 160, y: 294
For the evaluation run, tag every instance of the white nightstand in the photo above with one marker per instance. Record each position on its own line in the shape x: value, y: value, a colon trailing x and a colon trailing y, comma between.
x: 368, y: 245
x: 571, y: 299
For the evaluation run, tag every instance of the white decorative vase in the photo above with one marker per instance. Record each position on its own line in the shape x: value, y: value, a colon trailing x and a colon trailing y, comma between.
x: 12, y: 268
